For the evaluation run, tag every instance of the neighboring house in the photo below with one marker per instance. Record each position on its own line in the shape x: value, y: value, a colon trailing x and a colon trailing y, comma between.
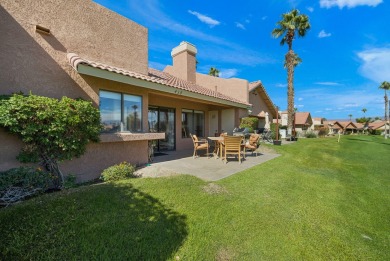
x: 379, y: 125
x: 317, y: 123
x: 80, y: 49
x: 330, y: 126
x: 262, y: 106
x: 345, y: 127
x: 302, y: 121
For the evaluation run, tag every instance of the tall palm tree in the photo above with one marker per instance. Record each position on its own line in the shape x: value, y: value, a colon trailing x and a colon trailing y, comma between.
x: 350, y: 117
x: 364, y: 110
x: 296, y: 61
x: 292, y: 24
x: 386, y: 86
x: 214, y: 72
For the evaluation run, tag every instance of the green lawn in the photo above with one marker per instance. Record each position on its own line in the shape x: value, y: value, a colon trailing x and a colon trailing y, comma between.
x: 321, y: 200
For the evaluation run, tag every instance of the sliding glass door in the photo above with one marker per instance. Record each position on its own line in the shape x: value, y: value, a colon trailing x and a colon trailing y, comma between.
x: 163, y: 120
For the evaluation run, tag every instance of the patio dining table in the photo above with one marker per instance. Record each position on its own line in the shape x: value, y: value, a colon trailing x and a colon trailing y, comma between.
x: 217, y: 143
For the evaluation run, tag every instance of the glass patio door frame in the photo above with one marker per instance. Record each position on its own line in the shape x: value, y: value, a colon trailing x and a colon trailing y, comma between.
x: 159, y: 109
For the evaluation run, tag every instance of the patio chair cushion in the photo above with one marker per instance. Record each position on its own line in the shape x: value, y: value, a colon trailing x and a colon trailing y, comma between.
x: 253, y: 141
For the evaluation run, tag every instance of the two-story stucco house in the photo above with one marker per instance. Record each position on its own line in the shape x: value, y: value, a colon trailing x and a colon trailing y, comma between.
x: 78, y: 48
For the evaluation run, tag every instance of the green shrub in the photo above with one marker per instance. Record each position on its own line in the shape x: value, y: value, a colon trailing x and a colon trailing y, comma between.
x: 273, y: 129
x: 249, y: 122
x: 323, y: 131
x: 53, y: 130
x: 70, y: 181
x: 311, y: 134
x: 22, y: 182
x: 375, y: 132
x: 123, y: 170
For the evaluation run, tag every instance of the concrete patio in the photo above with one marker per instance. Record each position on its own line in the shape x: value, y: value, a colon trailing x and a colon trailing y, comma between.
x: 206, y: 168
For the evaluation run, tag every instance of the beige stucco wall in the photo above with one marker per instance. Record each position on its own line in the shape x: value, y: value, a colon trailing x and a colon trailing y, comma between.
x: 89, y: 166
x: 30, y: 61
x: 234, y: 87
x: 184, y: 66
x: 259, y: 105
x: 35, y: 62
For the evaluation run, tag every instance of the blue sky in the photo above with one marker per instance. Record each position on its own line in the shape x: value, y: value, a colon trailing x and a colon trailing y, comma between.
x: 346, y: 54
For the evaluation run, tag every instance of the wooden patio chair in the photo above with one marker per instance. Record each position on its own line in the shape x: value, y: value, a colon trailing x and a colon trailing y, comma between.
x: 199, y: 145
x: 253, y: 143
x: 232, y: 145
x: 219, y: 144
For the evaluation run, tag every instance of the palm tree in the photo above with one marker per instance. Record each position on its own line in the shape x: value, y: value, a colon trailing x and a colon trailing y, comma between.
x: 350, y: 117
x: 296, y: 61
x: 214, y: 72
x: 364, y: 110
x: 386, y: 86
x: 292, y: 23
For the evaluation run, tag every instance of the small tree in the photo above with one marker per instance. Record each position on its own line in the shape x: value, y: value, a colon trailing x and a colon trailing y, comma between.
x: 52, y: 130
x: 250, y: 123
x: 214, y: 72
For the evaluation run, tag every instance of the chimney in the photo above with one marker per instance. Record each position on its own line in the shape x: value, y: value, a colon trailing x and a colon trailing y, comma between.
x: 184, y: 61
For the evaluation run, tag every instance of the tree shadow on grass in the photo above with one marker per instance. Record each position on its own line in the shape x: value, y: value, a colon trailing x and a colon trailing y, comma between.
x: 106, y: 222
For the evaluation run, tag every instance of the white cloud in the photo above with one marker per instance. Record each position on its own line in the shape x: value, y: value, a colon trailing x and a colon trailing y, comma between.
x: 228, y: 73
x: 247, y: 21
x: 281, y: 85
x: 240, y: 25
x: 299, y: 106
x: 349, y: 105
x: 310, y: 9
x: 328, y: 83
x: 300, y: 99
x: 323, y: 34
x: 348, y: 3
x: 375, y: 64
x: 264, y: 18
x: 212, y: 47
x: 205, y: 19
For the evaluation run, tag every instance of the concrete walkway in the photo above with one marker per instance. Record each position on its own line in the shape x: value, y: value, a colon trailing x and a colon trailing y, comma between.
x: 209, y: 169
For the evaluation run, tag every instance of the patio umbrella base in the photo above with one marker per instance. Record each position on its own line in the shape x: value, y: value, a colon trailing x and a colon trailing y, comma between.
x: 277, y: 142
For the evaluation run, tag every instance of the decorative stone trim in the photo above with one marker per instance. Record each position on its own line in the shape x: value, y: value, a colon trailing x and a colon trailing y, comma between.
x: 120, y: 137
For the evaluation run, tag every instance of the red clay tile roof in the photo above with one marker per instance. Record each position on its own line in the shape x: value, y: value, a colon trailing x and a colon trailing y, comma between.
x: 359, y: 125
x: 302, y: 118
x: 154, y: 76
x: 347, y: 124
x: 376, y: 125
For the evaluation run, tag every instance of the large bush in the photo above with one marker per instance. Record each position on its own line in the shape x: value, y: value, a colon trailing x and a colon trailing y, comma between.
x: 310, y: 134
x: 120, y: 171
x: 323, y: 131
x: 18, y: 183
x: 249, y: 122
x: 52, y: 130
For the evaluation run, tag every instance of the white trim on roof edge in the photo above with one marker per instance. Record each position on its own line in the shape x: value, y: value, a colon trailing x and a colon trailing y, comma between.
x: 112, y: 76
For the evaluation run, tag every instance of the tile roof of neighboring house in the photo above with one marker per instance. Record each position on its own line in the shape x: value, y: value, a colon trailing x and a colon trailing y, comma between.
x: 376, y: 125
x: 359, y: 125
x: 302, y: 118
x: 347, y: 124
x: 258, y: 85
x: 154, y: 76
x: 328, y: 123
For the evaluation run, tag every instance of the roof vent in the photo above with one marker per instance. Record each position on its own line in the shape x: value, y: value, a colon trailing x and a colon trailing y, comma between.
x: 42, y: 30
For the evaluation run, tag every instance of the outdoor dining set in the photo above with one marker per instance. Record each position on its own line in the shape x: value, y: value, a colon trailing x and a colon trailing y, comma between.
x: 226, y: 146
